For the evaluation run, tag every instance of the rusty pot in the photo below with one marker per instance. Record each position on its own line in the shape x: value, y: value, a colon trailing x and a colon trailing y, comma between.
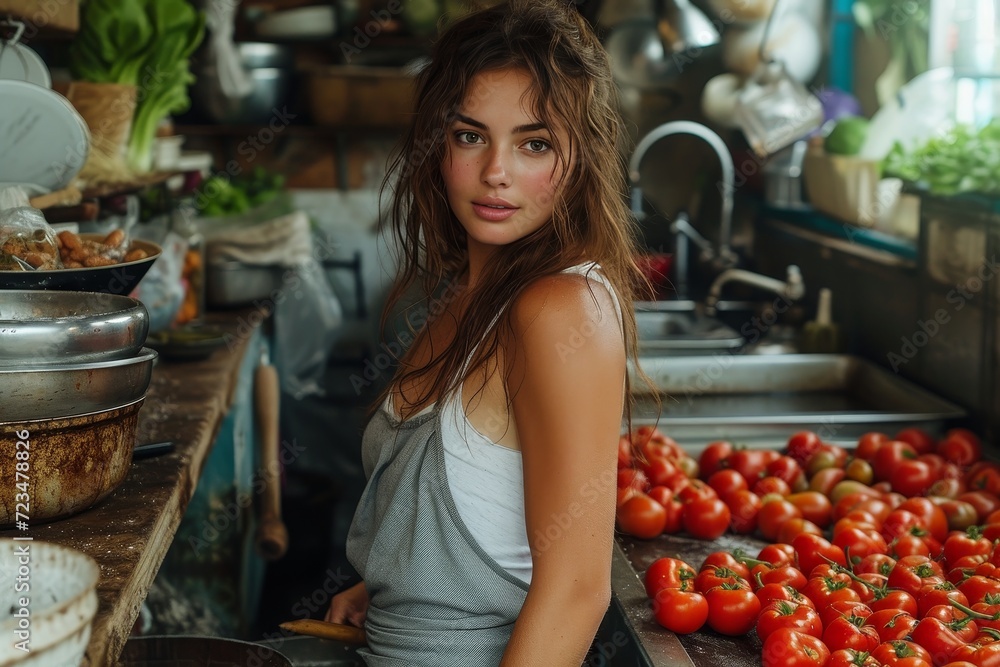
x: 69, y: 463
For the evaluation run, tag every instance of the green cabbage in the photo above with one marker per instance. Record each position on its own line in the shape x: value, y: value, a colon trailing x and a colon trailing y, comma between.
x: 146, y: 44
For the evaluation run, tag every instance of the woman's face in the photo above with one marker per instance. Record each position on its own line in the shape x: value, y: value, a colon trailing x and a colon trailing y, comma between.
x: 501, y: 171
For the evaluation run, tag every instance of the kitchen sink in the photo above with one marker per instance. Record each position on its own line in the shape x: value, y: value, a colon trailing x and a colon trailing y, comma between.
x: 679, y: 332
x: 761, y: 400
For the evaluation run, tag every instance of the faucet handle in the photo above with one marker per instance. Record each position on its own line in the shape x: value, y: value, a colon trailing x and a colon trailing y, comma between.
x: 795, y: 286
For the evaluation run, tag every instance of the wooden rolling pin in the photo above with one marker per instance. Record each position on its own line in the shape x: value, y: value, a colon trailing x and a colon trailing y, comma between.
x: 324, y: 630
x: 272, y: 536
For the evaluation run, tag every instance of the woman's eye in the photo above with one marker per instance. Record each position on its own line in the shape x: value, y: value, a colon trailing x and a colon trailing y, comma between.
x: 467, y: 137
x: 538, y: 146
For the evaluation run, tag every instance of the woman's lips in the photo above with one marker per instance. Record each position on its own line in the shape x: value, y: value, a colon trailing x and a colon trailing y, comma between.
x: 493, y: 213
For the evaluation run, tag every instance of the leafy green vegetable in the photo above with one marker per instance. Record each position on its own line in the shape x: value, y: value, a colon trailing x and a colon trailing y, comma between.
x: 146, y: 44
x: 961, y: 160
x: 221, y: 196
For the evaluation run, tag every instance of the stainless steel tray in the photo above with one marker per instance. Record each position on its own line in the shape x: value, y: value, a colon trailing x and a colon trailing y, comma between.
x: 761, y: 400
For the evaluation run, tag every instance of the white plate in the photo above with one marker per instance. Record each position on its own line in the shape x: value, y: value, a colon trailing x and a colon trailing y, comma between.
x: 20, y: 63
x: 43, y: 140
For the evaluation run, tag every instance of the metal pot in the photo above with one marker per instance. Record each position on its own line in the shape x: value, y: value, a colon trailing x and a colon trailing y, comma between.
x: 191, y: 651
x: 41, y: 327
x: 58, y: 391
x: 73, y: 463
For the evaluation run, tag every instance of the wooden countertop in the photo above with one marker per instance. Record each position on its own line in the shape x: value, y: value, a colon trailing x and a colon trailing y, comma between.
x: 129, y: 532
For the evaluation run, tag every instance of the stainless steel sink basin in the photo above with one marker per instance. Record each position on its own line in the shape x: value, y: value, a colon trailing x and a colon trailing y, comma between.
x: 761, y: 400
x: 677, y: 331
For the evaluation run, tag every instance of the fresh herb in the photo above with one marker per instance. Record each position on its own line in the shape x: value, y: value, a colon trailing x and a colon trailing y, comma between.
x: 142, y: 43
x: 221, y: 195
x: 961, y: 160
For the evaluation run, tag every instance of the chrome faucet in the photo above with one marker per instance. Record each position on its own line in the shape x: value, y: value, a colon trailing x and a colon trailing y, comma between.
x: 793, y: 288
x: 724, y: 254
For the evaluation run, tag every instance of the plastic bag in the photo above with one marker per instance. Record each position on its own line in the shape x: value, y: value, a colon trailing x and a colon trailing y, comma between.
x: 25, y: 234
x: 161, y: 290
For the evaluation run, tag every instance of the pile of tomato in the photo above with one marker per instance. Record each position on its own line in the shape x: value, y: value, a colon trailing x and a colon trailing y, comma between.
x: 884, y: 555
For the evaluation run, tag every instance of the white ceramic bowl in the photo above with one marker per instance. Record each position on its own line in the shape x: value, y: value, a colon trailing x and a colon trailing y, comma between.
x: 61, y: 603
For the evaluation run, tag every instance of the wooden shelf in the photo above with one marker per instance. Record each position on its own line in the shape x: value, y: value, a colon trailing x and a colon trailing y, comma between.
x: 43, y: 18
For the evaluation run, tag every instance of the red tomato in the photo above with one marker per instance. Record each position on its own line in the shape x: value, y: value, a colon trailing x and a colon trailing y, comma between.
x: 909, y: 545
x: 959, y: 514
x: 694, y: 489
x: 891, y: 623
x: 902, y: 522
x: 824, y: 480
x: 790, y: 648
x: 726, y: 481
x: 960, y: 446
x: 901, y: 653
x: 675, y: 510
x: 711, y: 576
x: 969, y: 543
x: 895, y: 600
x: 787, y: 469
x: 769, y: 593
x: 682, y: 612
x: 933, y: 595
x: 985, y: 503
x: 772, y: 514
x: 814, y: 506
x: 783, y: 614
x: 642, y: 517
x: 796, y: 526
x: 802, y: 445
x: 625, y: 458
x: 919, y: 439
x: 668, y: 573
x: 743, y: 508
x: 985, y: 478
x: 869, y: 443
x: 732, y: 609
x: 828, y: 589
x: 711, y: 458
x: 706, y: 518
x: 911, y: 477
x: 786, y: 575
x: 858, y: 543
x: 933, y: 516
x: 947, y: 488
x: 634, y: 478
x: 890, y: 455
x: 851, y: 632
x: 913, y: 572
x: 977, y: 587
x: 766, y: 485
x: 778, y: 554
x: 875, y: 564
x: 658, y: 470
x: 750, y: 462
x: 849, y: 657
x: 728, y: 561
x: 812, y: 550
x: 840, y: 608
x: 661, y: 494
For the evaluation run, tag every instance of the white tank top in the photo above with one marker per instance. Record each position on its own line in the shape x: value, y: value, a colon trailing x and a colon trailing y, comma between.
x: 486, y: 479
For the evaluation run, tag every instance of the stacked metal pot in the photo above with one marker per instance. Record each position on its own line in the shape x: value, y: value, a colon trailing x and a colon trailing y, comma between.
x: 73, y: 376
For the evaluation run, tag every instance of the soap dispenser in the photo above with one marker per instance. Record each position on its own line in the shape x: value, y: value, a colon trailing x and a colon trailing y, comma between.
x: 822, y: 335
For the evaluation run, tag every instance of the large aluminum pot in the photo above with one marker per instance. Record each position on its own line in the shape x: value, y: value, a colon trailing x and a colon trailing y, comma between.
x: 69, y: 464
x: 56, y: 391
x: 40, y: 327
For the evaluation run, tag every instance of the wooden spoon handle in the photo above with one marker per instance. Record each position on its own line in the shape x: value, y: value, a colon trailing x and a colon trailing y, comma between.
x: 325, y: 630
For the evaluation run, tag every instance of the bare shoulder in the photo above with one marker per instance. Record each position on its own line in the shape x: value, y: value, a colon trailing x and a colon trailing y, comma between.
x: 567, y: 306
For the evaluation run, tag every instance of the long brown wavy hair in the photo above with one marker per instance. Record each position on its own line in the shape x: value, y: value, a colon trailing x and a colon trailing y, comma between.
x: 573, y: 89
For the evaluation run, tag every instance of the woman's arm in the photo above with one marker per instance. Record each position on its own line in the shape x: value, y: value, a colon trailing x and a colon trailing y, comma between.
x: 567, y: 379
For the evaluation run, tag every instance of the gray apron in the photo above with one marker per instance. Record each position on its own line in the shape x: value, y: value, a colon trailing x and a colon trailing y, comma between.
x: 437, y: 599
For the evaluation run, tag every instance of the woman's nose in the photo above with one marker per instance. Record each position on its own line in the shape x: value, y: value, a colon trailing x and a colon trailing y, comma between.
x: 496, y: 172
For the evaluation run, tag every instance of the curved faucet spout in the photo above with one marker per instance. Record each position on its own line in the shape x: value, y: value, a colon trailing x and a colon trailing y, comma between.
x: 728, y: 175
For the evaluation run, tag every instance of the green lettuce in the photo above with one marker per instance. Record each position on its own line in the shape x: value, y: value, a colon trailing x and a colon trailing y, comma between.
x: 146, y: 44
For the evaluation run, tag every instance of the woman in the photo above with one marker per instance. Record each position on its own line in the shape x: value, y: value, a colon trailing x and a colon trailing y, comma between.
x: 484, y: 535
